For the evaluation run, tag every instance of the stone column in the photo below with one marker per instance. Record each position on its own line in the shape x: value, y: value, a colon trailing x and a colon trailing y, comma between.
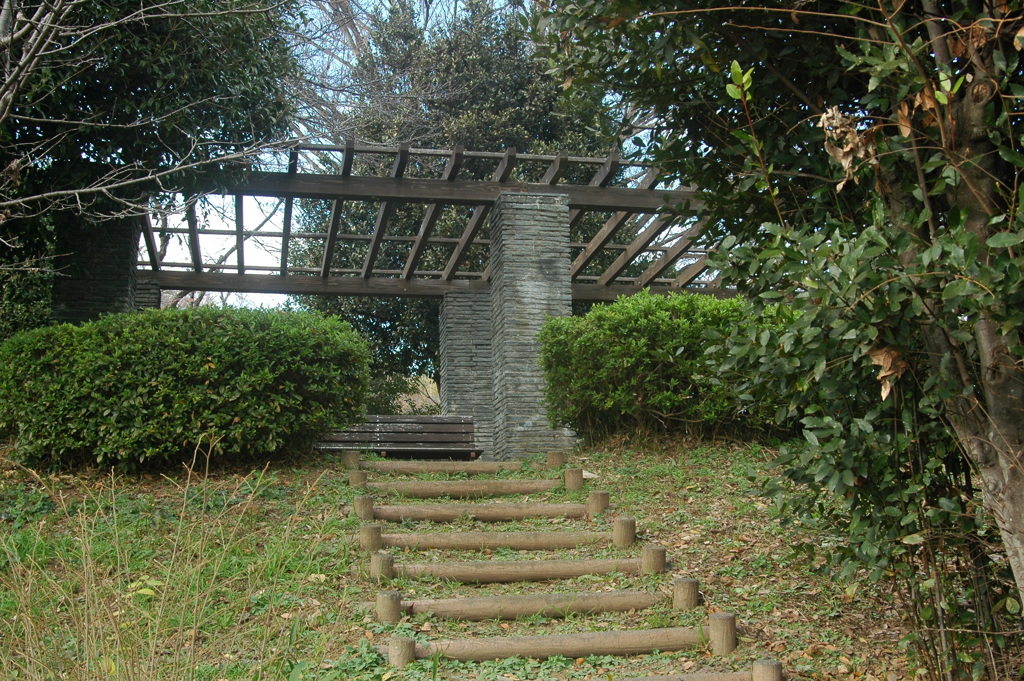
x: 97, y: 270
x: 465, y: 358
x: 530, y: 281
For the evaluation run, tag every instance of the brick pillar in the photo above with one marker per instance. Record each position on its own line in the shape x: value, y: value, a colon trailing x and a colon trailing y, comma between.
x: 97, y: 270
x: 530, y: 280
x: 465, y: 358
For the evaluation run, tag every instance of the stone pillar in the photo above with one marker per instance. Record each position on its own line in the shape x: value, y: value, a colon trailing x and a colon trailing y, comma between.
x: 465, y: 358
x: 97, y: 270
x: 147, y: 294
x: 530, y: 281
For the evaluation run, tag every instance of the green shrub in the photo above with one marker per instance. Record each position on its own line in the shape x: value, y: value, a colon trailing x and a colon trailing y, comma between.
x: 157, y: 385
x: 640, y: 363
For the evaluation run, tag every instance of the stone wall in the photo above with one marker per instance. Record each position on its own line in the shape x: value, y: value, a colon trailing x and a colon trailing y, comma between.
x: 465, y: 357
x: 97, y: 270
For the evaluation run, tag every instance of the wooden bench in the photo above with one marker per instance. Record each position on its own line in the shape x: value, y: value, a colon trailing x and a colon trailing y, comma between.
x: 407, y: 437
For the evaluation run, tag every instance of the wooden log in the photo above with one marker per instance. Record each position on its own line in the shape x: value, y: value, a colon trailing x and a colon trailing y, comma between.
x: 350, y: 460
x: 357, y: 479
x: 493, y: 572
x: 363, y: 506
x: 696, y: 676
x: 567, y: 645
x: 389, y: 607
x: 382, y: 566
x: 521, y: 541
x: 597, y: 503
x: 653, y: 560
x: 685, y: 594
x: 623, y: 532
x: 401, y: 651
x: 722, y: 632
x: 440, y: 467
x: 491, y: 512
x: 545, y: 605
x: 556, y: 460
x: 463, y: 489
x: 370, y: 538
x: 767, y: 670
x: 573, y: 479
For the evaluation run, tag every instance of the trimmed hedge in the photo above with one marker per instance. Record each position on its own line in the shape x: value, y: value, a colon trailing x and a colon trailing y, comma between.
x: 640, y: 364
x: 154, y: 386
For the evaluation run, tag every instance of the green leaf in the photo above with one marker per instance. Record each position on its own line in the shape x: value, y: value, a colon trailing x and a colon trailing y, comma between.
x: 913, y: 539
x: 1004, y: 239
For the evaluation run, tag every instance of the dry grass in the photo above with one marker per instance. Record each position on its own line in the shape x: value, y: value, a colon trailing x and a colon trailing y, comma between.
x: 254, y: 574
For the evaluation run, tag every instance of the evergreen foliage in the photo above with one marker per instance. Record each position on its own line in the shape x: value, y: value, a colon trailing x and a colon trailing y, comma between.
x: 640, y: 364
x: 154, y: 387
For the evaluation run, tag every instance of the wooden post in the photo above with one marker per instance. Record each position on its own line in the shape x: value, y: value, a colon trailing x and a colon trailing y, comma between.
x: 766, y: 670
x: 401, y: 651
x: 363, y: 505
x: 389, y: 607
x: 652, y: 560
x: 357, y: 479
x: 556, y: 460
x: 573, y: 479
x: 382, y: 566
x: 623, y: 532
x: 722, y: 627
x: 597, y: 503
x: 350, y: 460
x: 370, y: 538
x: 685, y: 594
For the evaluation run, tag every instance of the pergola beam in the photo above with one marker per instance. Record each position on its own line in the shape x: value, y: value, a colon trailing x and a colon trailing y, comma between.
x: 374, y: 287
x: 458, y: 192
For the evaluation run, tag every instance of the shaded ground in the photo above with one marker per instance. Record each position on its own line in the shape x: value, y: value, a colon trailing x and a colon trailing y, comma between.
x: 241, y: 574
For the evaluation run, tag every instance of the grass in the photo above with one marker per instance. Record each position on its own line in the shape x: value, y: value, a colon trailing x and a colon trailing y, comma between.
x: 255, y: 574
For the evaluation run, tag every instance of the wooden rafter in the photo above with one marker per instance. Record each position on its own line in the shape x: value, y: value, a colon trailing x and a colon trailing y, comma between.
x: 604, y: 175
x: 240, y: 233
x: 150, y: 238
x: 692, y: 271
x: 336, y: 205
x: 193, y: 236
x: 638, y: 246
x: 477, y: 219
x: 609, y: 229
x: 384, y: 213
x: 293, y: 167
x: 668, y: 258
x: 451, y: 170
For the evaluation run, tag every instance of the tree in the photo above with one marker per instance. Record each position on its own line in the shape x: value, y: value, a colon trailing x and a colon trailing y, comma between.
x: 105, y: 104
x: 431, y: 78
x: 865, y: 163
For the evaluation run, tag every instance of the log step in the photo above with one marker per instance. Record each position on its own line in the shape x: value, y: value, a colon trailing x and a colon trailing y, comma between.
x: 763, y: 670
x: 622, y: 535
x: 390, y: 608
x: 463, y: 489
x: 440, y: 467
x: 365, y: 509
x: 382, y: 566
x: 400, y: 651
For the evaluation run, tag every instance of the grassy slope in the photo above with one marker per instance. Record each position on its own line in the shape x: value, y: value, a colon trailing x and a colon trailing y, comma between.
x: 254, y: 575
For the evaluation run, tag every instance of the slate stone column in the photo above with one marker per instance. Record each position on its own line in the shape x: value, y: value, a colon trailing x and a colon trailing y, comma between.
x: 98, y: 270
x: 530, y: 280
x: 465, y: 357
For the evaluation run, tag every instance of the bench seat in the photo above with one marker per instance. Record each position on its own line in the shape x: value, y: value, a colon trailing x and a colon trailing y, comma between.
x: 407, y: 437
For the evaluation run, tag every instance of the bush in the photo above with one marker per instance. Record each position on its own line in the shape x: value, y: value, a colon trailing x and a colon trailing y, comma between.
x: 640, y: 363
x: 156, y: 385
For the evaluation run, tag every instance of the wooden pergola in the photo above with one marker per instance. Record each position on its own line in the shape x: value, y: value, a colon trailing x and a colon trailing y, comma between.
x: 629, y: 232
